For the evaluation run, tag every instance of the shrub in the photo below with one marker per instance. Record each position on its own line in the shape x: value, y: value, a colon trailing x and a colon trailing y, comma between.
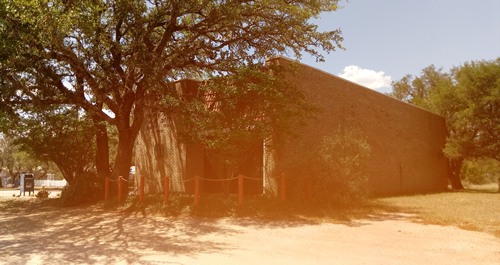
x: 480, y: 171
x: 334, y: 165
x: 84, y: 189
x: 339, y: 169
x: 43, y: 193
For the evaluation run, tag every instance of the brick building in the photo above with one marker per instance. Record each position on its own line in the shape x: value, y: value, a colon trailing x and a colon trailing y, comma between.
x: 406, y: 141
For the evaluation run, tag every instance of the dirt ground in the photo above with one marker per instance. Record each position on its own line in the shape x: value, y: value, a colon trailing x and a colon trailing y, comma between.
x: 93, y: 236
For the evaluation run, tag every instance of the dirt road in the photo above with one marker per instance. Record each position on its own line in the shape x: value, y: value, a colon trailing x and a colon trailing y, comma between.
x: 93, y: 236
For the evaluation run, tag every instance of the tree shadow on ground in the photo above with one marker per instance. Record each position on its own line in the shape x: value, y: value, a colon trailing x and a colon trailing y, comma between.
x: 91, y: 235
x: 102, y: 233
x: 269, y: 212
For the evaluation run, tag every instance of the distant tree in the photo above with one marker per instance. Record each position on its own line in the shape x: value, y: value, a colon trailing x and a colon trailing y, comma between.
x: 108, y: 56
x: 475, y: 121
x: 14, y: 160
x: 418, y: 90
x: 59, y: 135
x: 469, y: 99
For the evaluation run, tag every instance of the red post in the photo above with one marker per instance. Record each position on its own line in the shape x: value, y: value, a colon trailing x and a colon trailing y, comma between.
x: 106, y: 188
x: 196, y: 190
x: 282, y: 187
x: 240, y: 190
x: 141, y: 188
x: 120, y: 189
x: 166, y: 189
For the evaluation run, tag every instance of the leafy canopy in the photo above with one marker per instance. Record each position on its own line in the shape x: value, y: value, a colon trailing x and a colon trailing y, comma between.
x: 107, y: 56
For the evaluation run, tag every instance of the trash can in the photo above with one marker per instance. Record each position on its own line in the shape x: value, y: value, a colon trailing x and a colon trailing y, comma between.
x: 27, y: 184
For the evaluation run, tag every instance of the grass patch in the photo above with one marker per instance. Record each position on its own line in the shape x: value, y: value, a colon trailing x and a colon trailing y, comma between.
x: 469, y: 209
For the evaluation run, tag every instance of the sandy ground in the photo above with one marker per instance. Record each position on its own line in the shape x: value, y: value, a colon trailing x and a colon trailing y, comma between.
x: 11, y: 193
x: 93, y: 236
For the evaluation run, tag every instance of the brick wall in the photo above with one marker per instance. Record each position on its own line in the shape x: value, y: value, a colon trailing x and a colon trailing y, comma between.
x: 406, y: 141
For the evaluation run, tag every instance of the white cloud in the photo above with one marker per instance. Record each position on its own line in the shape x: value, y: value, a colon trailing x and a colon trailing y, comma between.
x: 369, y: 78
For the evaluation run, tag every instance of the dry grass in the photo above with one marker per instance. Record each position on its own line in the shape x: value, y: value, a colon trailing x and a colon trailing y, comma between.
x: 477, y: 210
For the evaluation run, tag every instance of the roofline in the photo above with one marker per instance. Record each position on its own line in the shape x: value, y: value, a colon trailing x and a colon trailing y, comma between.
x: 278, y: 57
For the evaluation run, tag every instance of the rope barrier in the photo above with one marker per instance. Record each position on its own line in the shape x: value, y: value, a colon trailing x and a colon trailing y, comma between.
x: 124, y: 179
x: 218, y: 179
x: 187, y: 180
x: 252, y: 178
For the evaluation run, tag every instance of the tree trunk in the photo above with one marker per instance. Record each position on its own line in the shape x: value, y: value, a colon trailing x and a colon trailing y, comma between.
x: 128, y: 130
x: 123, y: 160
x: 67, y: 172
x: 102, y: 150
x: 456, y: 166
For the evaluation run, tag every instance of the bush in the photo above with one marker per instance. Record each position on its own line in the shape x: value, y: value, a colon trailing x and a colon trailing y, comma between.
x: 85, y: 189
x: 480, y: 171
x: 339, y: 169
x: 335, y: 167
x: 43, y: 193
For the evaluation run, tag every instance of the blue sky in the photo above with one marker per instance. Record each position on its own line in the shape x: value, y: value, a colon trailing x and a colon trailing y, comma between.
x: 387, y: 39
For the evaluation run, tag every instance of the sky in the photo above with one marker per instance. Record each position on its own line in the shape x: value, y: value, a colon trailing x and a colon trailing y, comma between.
x: 385, y: 40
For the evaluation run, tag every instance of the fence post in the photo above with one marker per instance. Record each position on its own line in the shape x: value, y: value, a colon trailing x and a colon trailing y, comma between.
x: 282, y: 187
x: 106, y: 188
x: 166, y: 189
x: 240, y: 190
x: 196, y: 190
x: 141, y: 188
x: 120, y: 189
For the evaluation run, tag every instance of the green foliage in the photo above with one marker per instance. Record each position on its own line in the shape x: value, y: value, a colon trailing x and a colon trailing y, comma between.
x: 85, y: 189
x: 334, y: 167
x: 107, y: 57
x: 475, y: 121
x: 237, y: 112
x: 469, y: 99
x: 15, y: 160
x: 339, y: 175
x: 43, y: 193
x: 423, y: 89
x: 481, y: 171
x: 59, y: 135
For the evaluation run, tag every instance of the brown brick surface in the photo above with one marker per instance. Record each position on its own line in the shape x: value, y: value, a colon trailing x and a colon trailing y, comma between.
x: 406, y: 141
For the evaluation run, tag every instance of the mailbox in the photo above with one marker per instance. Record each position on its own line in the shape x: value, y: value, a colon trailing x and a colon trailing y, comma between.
x: 27, y: 184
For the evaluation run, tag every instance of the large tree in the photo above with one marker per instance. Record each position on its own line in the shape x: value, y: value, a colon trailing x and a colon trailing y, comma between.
x: 469, y: 99
x: 107, y: 56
